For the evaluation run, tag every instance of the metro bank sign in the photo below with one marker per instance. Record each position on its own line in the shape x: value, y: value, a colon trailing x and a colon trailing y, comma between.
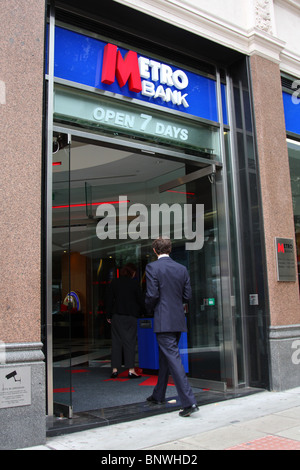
x: 132, y: 69
x: 105, y: 66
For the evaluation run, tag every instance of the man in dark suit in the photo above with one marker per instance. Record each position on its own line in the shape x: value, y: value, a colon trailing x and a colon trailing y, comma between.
x: 168, y: 287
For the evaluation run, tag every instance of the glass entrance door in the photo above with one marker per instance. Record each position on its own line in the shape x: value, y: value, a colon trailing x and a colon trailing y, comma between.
x: 204, y: 316
x: 108, y: 206
x: 62, y: 298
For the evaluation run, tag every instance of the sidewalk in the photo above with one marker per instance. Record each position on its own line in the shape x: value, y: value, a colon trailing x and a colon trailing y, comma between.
x: 263, y: 421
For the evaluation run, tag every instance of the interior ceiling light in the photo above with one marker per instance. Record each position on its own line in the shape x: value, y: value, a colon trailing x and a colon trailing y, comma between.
x: 291, y: 141
x: 181, y: 192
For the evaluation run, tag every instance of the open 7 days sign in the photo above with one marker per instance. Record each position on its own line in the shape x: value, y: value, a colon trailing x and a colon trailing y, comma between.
x: 108, y: 67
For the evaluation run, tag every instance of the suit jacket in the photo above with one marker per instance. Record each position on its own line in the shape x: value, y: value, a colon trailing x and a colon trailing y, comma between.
x: 168, y: 287
x: 125, y: 298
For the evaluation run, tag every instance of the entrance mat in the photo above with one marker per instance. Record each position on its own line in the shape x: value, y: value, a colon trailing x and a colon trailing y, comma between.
x: 104, y: 416
x: 268, y: 443
x: 92, y: 388
x: 120, y: 414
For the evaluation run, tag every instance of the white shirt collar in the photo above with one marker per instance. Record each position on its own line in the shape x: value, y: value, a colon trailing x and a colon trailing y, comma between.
x: 163, y: 256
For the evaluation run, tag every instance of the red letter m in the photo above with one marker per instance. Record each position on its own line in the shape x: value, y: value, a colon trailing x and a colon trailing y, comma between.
x: 126, y: 70
x: 280, y: 248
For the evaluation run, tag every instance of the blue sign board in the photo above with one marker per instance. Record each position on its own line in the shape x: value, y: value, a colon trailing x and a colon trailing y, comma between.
x: 79, y: 59
x: 291, y: 113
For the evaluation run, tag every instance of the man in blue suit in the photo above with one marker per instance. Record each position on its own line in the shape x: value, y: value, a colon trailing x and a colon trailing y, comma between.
x: 168, y: 287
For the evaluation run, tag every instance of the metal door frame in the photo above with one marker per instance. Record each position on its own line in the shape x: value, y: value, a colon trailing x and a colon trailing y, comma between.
x: 218, y: 169
x: 208, y: 168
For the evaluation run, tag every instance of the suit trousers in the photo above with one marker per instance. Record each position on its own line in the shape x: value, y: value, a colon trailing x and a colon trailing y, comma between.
x: 123, y: 336
x: 170, y: 363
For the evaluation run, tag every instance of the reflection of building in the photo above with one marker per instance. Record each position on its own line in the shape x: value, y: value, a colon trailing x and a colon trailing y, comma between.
x: 249, y: 145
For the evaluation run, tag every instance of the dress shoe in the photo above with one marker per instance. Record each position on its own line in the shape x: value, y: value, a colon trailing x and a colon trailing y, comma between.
x: 133, y: 376
x: 188, y: 411
x: 155, y: 402
x: 114, y: 375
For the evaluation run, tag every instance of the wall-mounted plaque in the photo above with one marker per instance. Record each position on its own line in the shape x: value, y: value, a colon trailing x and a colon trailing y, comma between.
x: 286, y: 261
x: 15, y: 386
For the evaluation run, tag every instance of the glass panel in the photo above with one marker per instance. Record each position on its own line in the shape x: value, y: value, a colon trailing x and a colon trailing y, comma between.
x: 113, y: 218
x: 127, y: 119
x: 294, y: 159
x: 63, y: 304
x: 236, y: 278
x: 204, y: 318
x: 251, y: 320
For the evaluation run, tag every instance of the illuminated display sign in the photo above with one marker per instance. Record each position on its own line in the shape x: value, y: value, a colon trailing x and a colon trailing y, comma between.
x: 105, y: 66
x: 291, y: 104
x: 148, y: 77
x: 120, y: 117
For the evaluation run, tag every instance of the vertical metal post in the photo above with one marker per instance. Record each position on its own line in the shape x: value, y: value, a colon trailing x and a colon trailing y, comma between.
x: 233, y: 152
x: 229, y: 334
x: 51, y: 42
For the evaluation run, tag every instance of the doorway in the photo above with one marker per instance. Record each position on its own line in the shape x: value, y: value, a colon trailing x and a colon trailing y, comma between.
x: 108, y: 204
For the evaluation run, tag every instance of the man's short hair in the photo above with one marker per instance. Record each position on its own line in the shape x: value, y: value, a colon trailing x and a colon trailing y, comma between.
x: 162, y: 246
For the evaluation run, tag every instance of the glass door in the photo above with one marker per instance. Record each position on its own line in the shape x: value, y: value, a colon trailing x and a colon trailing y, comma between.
x: 63, y: 300
x: 197, y: 192
x: 108, y: 206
